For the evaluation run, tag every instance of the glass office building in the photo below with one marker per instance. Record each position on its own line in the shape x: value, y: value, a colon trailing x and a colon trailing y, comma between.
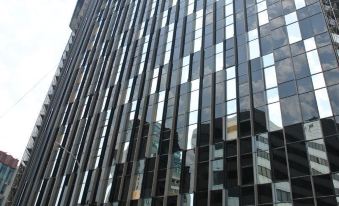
x: 192, y: 102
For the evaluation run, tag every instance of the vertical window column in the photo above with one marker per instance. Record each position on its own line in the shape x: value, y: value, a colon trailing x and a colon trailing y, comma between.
x: 198, y: 30
x: 169, y: 43
x: 293, y: 29
x: 144, y: 53
x: 193, y: 115
x: 154, y: 81
x: 317, y: 76
x: 122, y: 58
x: 229, y: 16
x: 133, y: 13
x: 219, y: 57
x: 102, y: 139
x: 253, y: 44
x: 190, y: 7
x: 231, y: 104
x: 185, y: 69
x: 128, y: 90
x: 274, y: 111
x: 262, y: 12
x: 84, y: 187
x: 154, y: 4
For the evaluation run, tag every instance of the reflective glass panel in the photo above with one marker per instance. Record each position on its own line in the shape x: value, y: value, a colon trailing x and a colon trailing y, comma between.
x: 192, y: 136
x: 263, y: 18
x: 262, y: 155
x: 195, y: 84
x: 312, y: 130
x: 299, y: 4
x: 254, y: 49
x: 231, y: 107
x: 231, y: 89
x: 290, y: 18
x: 229, y: 20
x: 270, y: 77
x: 318, y: 157
x: 282, y: 193
x: 232, y: 127
x: 160, y: 111
x: 318, y: 81
x: 186, y: 60
x: 184, y: 74
x: 261, y: 6
x: 313, y: 62
x: 324, y: 106
x: 268, y: 60
x: 229, y: 31
x: 174, y: 181
x: 194, y: 104
x: 218, y: 178
x: 293, y: 32
x: 272, y: 95
x: 274, y: 113
x: 230, y: 73
x: 193, y: 118
x: 253, y: 34
x: 309, y: 44
x: 219, y: 48
x: 219, y: 61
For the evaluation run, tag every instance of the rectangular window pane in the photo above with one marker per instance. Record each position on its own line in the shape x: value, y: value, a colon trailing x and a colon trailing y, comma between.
x: 313, y: 62
x: 263, y: 18
x: 270, y: 77
x: 231, y: 89
x: 323, y: 103
x: 294, y: 34
x: 274, y: 113
x: 254, y: 49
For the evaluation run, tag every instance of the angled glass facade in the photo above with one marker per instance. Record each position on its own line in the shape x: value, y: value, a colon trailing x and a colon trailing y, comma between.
x: 192, y: 102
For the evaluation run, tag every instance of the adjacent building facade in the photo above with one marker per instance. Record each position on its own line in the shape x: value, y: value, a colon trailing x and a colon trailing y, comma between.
x: 191, y: 102
x: 8, y: 166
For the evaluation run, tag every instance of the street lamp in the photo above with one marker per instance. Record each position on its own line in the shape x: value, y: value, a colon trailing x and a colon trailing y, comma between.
x: 68, y: 152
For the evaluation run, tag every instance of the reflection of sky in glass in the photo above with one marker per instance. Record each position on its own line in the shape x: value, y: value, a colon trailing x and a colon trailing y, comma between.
x: 272, y: 95
x: 313, y: 62
x: 270, y: 77
x: 274, y: 113
x: 293, y: 32
x: 323, y: 103
x: 192, y: 131
x: 231, y: 89
x: 318, y: 81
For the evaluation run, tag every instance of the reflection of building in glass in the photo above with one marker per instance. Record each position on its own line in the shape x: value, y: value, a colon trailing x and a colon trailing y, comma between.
x: 197, y: 102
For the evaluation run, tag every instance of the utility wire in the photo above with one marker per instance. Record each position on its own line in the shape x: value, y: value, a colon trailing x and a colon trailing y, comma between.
x: 25, y: 94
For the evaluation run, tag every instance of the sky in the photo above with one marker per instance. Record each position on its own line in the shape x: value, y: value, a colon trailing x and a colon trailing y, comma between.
x: 33, y: 35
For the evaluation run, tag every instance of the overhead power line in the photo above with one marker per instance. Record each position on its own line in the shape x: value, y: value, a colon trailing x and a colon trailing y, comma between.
x: 25, y: 94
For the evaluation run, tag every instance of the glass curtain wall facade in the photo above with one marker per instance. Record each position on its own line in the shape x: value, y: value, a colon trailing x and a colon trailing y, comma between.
x: 192, y: 102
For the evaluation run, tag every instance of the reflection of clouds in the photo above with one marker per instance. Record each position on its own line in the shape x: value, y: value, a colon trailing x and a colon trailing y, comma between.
x: 300, y: 65
x: 308, y: 108
x: 328, y: 59
x: 334, y: 96
x: 291, y: 110
x: 257, y: 81
x: 284, y: 70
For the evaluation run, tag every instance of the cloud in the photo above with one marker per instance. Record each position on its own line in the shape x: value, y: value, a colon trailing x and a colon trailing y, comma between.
x: 33, y: 35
